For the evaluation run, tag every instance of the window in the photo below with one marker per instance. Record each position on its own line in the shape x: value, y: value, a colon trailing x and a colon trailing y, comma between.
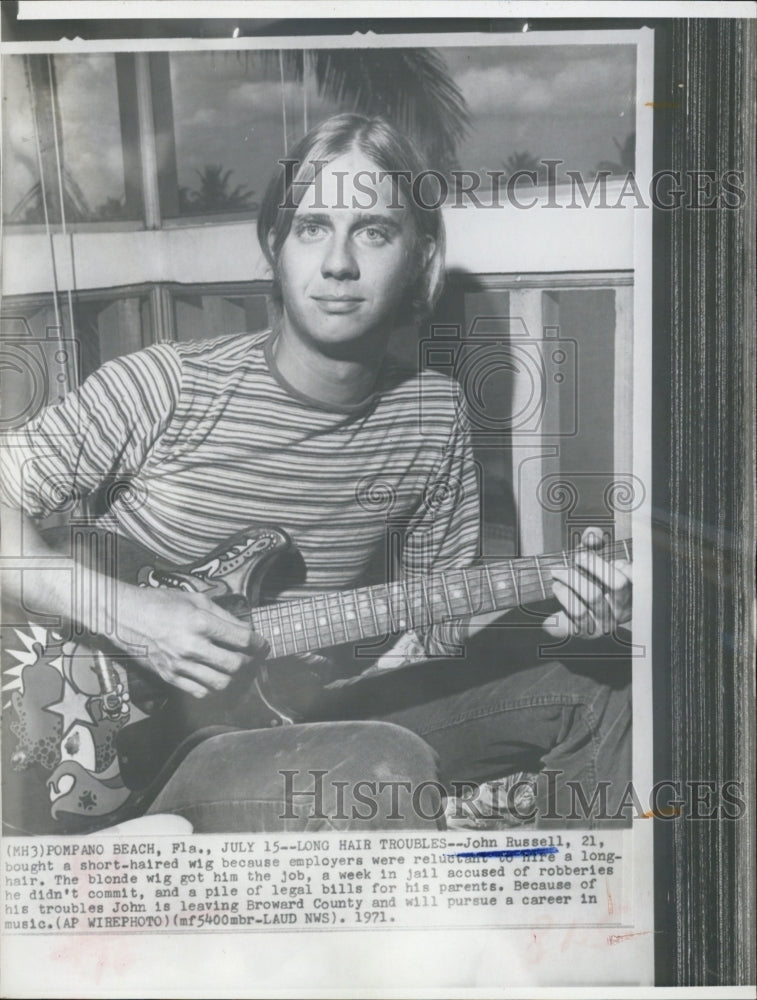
x: 20, y: 173
x: 529, y: 104
x: 226, y: 119
x: 74, y: 125
x: 212, y: 312
x: 522, y: 346
x: 44, y: 353
x: 205, y: 128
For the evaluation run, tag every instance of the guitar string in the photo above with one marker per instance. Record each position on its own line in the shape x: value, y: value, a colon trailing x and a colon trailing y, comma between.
x: 530, y: 584
x: 527, y: 589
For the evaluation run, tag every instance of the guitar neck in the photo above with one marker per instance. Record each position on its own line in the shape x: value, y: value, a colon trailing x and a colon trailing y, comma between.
x: 331, y: 619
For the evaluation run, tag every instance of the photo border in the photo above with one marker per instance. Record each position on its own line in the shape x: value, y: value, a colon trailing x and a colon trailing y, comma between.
x: 703, y: 475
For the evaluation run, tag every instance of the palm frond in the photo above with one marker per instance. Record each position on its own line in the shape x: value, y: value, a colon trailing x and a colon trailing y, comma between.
x: 410, y: 87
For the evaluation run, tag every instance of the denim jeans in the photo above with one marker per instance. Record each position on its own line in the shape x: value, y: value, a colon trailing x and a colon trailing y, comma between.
x: 317, y: 776
x: 569, y: 729
x: 457, y: 722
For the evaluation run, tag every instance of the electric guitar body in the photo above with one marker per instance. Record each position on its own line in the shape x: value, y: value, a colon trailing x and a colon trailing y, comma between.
x: 90, y: 735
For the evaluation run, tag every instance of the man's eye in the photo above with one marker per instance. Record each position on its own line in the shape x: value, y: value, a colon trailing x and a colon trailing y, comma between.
x: 309, y: 230
x: 373, y: 234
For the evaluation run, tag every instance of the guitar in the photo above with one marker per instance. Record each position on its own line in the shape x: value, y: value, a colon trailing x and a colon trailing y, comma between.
x: 104, y: 734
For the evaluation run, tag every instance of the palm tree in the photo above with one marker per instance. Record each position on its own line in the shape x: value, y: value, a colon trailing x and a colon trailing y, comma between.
x: 213, y: 194
x: 520, y: 161
x: 626, y: 159
x: 111, y: 208
x: 31, y: 207
x: 411, y: 88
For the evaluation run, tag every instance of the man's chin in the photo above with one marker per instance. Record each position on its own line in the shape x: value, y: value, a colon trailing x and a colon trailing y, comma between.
x: 348, y: 341
x: 350, y: 348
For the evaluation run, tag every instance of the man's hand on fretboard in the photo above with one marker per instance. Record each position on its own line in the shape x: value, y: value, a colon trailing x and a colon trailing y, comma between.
x: 595, y: 594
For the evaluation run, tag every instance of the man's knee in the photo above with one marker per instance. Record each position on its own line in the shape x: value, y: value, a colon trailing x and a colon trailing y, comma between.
x: 379, y: 773
x: 389, y: 752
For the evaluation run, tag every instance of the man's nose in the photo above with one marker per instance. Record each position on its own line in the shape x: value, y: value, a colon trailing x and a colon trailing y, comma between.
x: 339, y: 260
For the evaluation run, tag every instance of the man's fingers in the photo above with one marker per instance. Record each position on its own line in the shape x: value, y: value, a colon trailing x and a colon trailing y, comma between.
x: 227, y: 629
x: 574, y: 610
x: 227, y: 661
x: 592, y: 538
x: 223, y: 628
x: 189, y: 686
x: 609, y: 574
x: 584, y: 617
x: 584, y: 591
x: 595, y: 593
x: 205, y: 676
x: 259, y: 646
x: 560, y: 626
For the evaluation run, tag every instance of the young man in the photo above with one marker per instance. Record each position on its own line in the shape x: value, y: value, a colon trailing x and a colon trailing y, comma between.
x: 310, y: 427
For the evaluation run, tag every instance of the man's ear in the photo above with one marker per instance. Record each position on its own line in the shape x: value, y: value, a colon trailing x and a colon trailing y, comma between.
x: 426, y: 250
x: 270, y: 240
x: 422, y: 254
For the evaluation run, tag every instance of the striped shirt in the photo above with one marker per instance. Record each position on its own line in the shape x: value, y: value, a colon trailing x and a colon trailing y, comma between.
x: 211, y: 439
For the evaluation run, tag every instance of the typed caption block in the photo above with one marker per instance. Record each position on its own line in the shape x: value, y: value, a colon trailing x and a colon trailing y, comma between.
x: 327, y: 880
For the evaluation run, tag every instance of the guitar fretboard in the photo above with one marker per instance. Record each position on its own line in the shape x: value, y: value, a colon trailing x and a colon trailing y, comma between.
x: 331, y: 619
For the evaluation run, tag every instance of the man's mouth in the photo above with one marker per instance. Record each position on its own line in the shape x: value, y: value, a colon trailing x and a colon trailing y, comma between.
x: 338, y: 303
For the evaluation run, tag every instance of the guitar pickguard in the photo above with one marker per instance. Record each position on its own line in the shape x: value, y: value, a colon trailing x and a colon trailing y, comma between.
x: 69, y: 705
x: 236, y: 567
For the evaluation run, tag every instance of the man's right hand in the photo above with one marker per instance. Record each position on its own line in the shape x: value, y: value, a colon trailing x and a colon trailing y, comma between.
x: 188, y: 641
x: 184, y: 638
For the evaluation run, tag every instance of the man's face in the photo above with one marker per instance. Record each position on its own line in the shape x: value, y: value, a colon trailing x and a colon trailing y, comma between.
x: 348, y: 260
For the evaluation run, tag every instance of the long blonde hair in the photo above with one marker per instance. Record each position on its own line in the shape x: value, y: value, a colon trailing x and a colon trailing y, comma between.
x: 390, y: 150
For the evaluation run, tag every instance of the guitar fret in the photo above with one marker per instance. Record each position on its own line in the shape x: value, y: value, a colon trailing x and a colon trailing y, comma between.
x: 372, y: 606
x: 406, y: 621
x: 392, y: 611
x: 314, y: 612
x: 311, y: 623
x: 446, y: 596
x: 260, y: 620
x: 384, y: 607
x: 288, y: 607
x: 368, y: 622
x: 352, y: 613
x: 541, y: 578
x: 427, y: 612
x: 327, y: 615
x: 471, y: 605
x: 267, y: 630
x: 342, y: 616
x: 515, y: 581
x: 397, y: 598
x: 277, y: 626
x: 490, y: 584
x: 457, y: 593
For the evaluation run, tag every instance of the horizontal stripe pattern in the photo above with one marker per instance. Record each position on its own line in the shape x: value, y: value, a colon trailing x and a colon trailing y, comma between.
x: 212, y: 440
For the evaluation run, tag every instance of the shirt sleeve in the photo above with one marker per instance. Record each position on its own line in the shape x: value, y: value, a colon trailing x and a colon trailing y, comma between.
x: 445, y: 533
x: 103, y: 429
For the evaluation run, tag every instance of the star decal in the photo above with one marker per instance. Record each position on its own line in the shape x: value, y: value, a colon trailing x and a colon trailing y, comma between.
x: 72, y: 708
